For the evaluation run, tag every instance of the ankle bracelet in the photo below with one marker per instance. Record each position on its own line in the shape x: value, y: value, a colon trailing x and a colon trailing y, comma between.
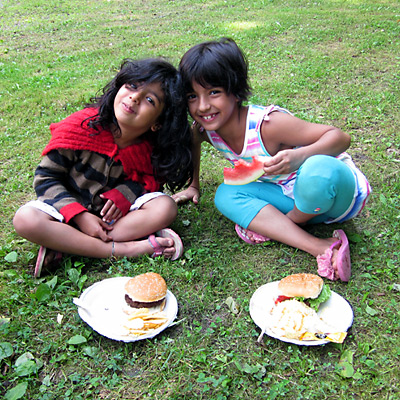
x: 112, y: 249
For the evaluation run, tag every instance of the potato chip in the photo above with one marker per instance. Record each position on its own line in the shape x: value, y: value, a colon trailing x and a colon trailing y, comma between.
x: 136, y: 323
x: 142, y: 321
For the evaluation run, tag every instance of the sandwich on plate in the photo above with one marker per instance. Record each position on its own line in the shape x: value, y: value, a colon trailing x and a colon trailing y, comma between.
x: 147, y: 290
x: 308, y: 288
x: 145, y: 297
x: 294, y: 314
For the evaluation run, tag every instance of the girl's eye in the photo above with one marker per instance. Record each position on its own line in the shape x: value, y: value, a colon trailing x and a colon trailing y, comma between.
x: 191, y: 96
x: 150, y: 100
x: 132, y: 86
x: 214, y: 91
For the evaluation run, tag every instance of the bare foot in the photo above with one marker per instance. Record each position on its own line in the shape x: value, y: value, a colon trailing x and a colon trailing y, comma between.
x: 335, y: 262
x: 250, y: 236
x: 256, y: 238
x: 141, y: 247
x: 325, y: 244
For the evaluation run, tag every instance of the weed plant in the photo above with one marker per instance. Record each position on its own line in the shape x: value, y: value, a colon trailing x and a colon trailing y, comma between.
x: 331, y: 61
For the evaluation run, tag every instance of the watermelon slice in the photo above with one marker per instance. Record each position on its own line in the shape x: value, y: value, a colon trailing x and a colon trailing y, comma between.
x: 244, y: 172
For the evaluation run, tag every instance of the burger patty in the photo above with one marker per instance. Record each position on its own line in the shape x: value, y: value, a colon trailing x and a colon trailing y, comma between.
x: 142, y: 304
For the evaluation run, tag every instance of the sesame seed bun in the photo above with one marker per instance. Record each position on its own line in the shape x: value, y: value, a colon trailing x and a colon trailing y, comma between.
x: 146, y: 291
x: 308, y: 286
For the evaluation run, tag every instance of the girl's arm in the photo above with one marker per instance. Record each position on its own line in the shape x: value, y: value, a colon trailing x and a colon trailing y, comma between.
x: 193, y: 191
x: 110, y: 213
x: 291, y: 140
x: 119, y: 199
x: 50, y: 183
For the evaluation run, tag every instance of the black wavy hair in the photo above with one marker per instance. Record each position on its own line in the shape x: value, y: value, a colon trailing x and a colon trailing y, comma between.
x: 171, y: 157
x: 218, y: 64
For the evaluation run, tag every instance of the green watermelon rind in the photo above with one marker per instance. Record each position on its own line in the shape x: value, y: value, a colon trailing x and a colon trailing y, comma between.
x: 244, y: 172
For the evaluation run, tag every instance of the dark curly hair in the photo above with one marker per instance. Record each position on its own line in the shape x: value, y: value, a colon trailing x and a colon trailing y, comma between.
x: 217, y: 64
x: 171, y: 157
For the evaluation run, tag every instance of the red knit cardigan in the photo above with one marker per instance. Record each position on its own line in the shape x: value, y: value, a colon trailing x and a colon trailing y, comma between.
x: 71, y: 134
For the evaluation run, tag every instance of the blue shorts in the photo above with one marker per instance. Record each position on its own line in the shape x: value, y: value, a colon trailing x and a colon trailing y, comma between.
x: 325, y: 186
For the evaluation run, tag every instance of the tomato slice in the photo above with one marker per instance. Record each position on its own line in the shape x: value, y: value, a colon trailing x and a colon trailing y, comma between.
x: 281, y: 298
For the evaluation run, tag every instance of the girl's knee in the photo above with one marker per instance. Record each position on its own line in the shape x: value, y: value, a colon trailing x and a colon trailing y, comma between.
x: 230, y: 198
x: 221, y: 197
x: 319, y: 162
x: 166, y: 207
x: 168, y: 202
x: 25, y: 220
x: 171, y: 207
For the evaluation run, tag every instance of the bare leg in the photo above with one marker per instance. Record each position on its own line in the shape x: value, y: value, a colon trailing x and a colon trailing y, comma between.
x: 151, y: 217
x: 38, y: 227
x: 272, y: 223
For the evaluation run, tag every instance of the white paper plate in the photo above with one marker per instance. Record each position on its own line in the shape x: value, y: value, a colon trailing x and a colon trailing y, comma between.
x: 336, y: 312
x: 104, y: 304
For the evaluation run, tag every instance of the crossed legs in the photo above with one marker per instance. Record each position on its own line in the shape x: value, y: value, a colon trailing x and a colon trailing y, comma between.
x: 40, y: 228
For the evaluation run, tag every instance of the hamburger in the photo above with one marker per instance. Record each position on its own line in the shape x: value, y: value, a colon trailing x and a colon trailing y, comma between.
x: 307, y: 288
x: 147, y: 290
x: 295, y: 310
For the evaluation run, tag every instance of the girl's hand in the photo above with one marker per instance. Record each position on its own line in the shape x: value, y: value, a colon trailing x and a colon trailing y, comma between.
x: 93, y: 226
x: 110, y: 212
x: 191, y: 193
x: 283, y: 162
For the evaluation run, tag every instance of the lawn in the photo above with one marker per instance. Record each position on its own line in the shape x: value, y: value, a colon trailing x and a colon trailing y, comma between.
x: 330, y: 61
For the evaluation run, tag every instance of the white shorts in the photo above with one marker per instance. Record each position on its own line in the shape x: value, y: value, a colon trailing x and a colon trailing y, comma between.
x: 50, y: 210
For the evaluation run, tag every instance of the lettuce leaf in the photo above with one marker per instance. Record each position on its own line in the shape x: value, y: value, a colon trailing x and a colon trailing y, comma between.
x: 323, y: 296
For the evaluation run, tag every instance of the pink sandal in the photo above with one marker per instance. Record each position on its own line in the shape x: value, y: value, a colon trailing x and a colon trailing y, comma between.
x: 159, y: 250
x: 243, y: 234
x: 342, y: 268
x: 46, y: 258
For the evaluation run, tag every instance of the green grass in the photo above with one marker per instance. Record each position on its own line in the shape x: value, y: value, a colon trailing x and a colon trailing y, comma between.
x: 331, y: 61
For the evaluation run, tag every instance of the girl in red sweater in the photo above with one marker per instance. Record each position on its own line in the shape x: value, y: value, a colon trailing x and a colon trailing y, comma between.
x: 99, y: 184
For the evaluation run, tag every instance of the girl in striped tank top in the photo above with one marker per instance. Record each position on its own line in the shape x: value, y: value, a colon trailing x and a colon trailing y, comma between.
x: 307, y: 176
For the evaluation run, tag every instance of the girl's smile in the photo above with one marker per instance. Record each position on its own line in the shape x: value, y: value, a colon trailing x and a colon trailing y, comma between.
x: 137, y: 109
x: 128, y: 108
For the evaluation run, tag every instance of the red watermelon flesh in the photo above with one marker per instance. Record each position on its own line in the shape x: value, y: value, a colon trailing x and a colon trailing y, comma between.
x: 244, y: 172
